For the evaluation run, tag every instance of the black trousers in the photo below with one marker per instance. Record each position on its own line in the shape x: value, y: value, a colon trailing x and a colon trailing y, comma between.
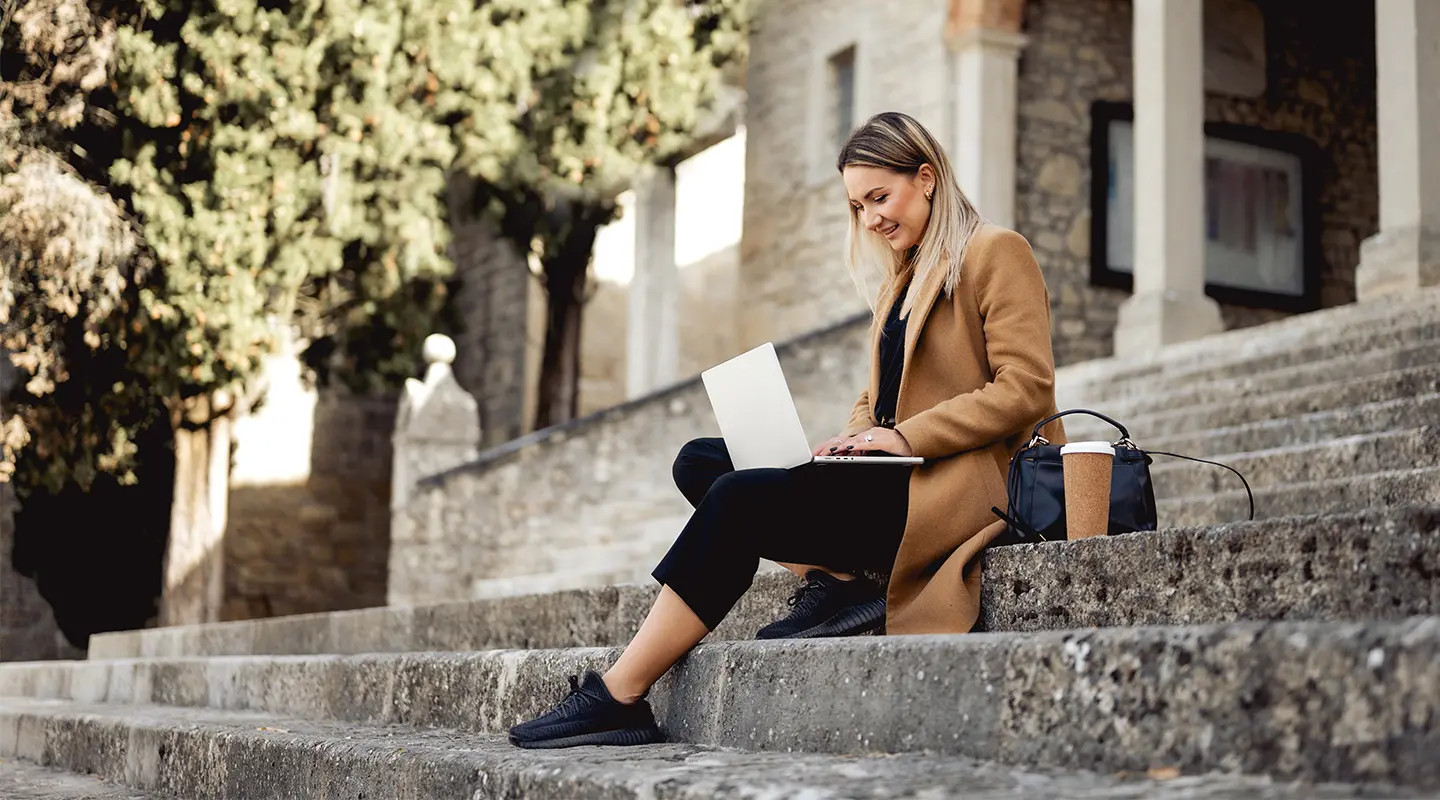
x: 844, y: 517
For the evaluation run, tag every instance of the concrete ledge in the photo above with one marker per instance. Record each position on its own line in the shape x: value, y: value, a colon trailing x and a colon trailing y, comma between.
x: 1315, y: 701
x: 213, y: 755
x: 595, y: 493
x: 1374, y: 565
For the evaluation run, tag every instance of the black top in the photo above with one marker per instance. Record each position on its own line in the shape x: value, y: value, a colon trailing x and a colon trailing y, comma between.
x: 892, y: 362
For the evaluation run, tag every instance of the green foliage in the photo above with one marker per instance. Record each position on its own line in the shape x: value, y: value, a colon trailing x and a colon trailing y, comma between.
x: 183, y: 178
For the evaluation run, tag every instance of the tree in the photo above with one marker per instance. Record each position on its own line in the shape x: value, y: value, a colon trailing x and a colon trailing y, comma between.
x: 278, y: 162
x: 184, y: 178
x: 606, y: 89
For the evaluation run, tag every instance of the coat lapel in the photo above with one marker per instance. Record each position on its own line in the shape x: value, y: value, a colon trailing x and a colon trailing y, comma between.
x: 877, y: 331
x: 929, y: 292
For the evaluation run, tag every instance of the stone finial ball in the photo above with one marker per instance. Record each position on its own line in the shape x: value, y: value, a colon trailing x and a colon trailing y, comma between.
x: 439, y: 349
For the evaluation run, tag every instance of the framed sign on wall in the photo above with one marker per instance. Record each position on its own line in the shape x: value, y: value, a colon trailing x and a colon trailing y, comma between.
x: 1262, y: 229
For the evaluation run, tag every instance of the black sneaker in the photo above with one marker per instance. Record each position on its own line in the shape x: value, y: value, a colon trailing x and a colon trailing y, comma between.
x: 589, y: 715
x: 827, y: 606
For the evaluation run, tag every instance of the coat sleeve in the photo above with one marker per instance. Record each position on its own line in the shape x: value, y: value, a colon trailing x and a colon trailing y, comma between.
x: 1015, y: 312
x: 862, y: 417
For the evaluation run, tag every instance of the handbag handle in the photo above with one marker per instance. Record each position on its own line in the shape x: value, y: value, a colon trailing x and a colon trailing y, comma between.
x: 1036, y: 437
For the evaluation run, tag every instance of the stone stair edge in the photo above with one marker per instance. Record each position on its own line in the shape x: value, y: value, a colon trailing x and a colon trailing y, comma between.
x: 1269, y: 382
x: 1085, y: 380
x: 1316, y: 488
x: 1418, y: 432
x: 1381, y: 314
x: 1343, y: 457
x: 614, y: 610
x: 1369, y: 693
x: 1272, y: 405
x: 177, y: 750
x: 1192, y: 442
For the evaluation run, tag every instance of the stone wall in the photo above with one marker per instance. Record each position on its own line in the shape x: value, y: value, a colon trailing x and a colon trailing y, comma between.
x: 792, y: 272
x: 501, y: 331
x: 1320, y: 83
x: 309, y: 501
x: 593, y: 502
x: 708, y: 289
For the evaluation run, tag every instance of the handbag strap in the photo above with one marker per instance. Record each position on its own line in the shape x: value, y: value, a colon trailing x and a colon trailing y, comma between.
x: 1248, y: 493
x: 1035, y: 436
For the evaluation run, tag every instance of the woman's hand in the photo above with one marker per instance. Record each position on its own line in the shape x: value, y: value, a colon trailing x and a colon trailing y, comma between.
x: 830, y: 447
x: 875, y: 440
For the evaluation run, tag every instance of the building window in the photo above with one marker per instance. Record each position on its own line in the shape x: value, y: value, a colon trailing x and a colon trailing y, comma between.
x: 842, y: 94
x: 1261, y: 225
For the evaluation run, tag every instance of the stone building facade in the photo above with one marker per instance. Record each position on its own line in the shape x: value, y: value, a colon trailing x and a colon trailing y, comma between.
x: 1320, y: 77
x: 792, y: 270
x: 1319, y: 83
x: 1015, y: 90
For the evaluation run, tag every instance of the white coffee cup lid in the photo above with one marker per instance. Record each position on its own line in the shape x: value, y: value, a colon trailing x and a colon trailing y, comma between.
x: 1087, y: 447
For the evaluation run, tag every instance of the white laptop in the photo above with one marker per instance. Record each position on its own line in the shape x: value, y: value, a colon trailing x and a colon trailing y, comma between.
x: 758, y: 419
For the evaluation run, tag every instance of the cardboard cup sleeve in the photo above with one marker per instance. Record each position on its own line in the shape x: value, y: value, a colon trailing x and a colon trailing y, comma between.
x: 1088, y: 466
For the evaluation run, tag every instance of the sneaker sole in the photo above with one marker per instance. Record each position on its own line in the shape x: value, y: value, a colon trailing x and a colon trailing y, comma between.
x: 621, y: 738
x: 853, y: 621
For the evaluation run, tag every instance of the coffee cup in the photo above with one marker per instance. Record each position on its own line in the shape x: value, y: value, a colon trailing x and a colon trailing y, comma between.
x: 1087, y: 466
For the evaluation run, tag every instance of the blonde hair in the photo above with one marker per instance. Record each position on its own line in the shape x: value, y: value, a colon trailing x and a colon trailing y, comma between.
x: 899, y: 143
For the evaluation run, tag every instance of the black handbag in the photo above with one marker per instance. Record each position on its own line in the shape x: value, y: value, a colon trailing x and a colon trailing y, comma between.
x: 1036, y: 488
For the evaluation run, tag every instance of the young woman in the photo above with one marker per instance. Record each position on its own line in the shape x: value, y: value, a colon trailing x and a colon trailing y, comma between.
x: 960, y: 370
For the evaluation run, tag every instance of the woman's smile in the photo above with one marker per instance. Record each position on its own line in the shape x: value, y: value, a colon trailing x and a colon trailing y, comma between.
x: 890, y: 230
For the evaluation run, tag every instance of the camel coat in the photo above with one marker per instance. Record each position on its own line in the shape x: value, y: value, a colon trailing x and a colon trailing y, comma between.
x: 978, y: 375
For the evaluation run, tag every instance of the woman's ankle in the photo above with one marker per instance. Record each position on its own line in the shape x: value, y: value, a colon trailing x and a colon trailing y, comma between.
x: 621, y: 693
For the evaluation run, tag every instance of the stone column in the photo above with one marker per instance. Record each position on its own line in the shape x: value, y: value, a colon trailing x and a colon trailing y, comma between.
x: 1169, y: 303
x: 652, y: 333
x: 985, y: 44
x: 1405, y: 254
x: 437, y: 426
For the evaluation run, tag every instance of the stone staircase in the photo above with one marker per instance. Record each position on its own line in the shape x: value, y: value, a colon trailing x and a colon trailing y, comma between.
x: 1294, y: 656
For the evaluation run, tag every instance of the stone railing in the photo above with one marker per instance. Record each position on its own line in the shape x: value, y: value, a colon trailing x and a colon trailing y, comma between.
x: 583, y: 504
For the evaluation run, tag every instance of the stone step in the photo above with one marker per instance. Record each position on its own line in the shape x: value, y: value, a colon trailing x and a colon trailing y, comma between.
x: 1374, y: 565
x: 1336, y: 496
x: 1312, y: 428
x: 1295, y: 568
x: 216, y: 755
x: 1108, y: 381
x: 1294, y: 700
x: 601, y: 616
x: 1352, y: 456
x: 1279, y: 405
x: 1333, y: 332
x: 1164, y: 396
x: 22, y: 781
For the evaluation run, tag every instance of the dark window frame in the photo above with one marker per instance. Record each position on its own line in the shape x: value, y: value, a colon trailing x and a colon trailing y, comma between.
x: 842, y: 64
x: 1103, y: 113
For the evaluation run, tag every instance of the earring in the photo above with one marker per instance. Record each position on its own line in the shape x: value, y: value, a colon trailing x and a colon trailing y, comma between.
x: 928, y: 192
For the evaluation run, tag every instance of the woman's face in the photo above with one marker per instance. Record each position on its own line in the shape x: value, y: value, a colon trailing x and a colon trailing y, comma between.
x: 891, y: 204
